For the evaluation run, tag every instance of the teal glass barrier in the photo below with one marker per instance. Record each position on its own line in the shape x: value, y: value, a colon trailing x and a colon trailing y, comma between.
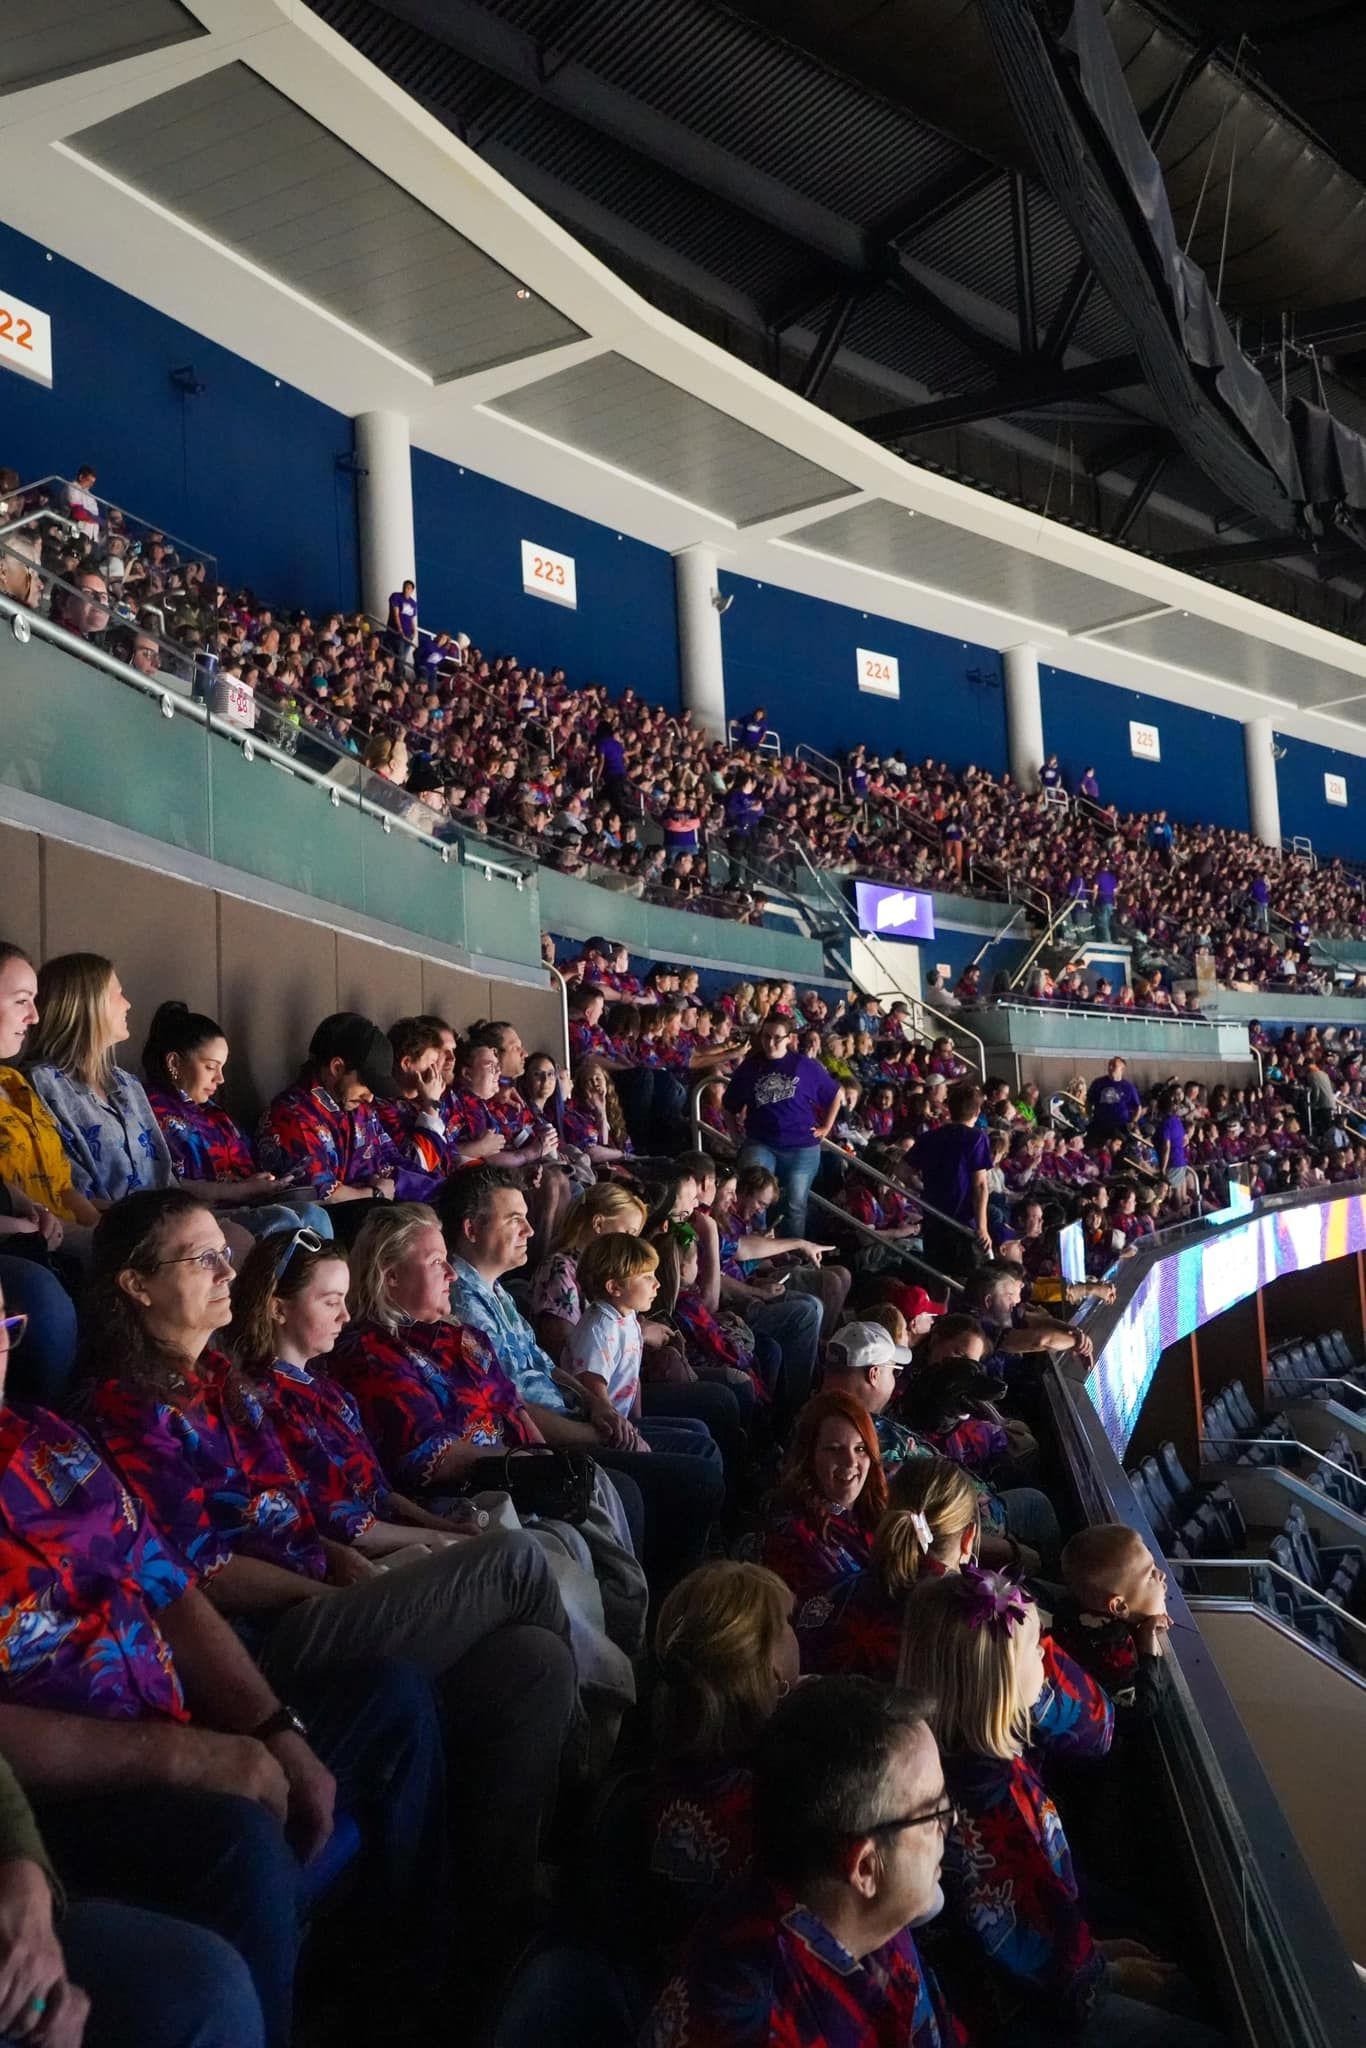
x: 1080, y: 1031
x: 581, y: 910
x: 77, y: 735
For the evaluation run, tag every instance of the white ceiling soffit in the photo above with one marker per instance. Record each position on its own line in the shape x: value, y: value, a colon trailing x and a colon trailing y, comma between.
x: 243, y: 163
x: 1195, y: 643
x: 65, y: 37
x: 625, y: 416
x: 915, y: 548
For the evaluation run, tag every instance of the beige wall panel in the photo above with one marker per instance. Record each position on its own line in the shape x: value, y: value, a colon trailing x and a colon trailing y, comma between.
x: 537, y: 1013
x: 21, y: 921
x: 157, y: 930
x: 454, y: 994
x: 279, y: 980
x: 379, y: 981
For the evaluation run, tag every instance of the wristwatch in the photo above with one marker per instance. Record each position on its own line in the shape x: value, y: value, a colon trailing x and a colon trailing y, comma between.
x: 284, y: 1721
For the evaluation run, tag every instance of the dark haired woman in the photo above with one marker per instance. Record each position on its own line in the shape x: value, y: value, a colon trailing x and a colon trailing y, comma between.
x: 183, y: 1063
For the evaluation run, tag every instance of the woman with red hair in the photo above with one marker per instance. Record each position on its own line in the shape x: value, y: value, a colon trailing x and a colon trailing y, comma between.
x: 829, y: 1499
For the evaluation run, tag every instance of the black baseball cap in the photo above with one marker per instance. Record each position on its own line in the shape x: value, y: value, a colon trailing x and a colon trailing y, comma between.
x: 365, y: 1048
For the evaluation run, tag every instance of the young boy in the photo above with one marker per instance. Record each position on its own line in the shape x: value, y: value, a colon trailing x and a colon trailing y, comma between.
x: 616, y: 1277
x: 1114, y: 1617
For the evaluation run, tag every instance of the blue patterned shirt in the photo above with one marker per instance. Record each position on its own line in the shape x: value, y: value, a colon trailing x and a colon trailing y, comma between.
x: 115, y: 1147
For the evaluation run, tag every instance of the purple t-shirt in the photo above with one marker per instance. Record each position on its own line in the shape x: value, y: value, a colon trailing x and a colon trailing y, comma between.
x: 946, y: 1158
x: 783, y: 1100
x: 1173, y: 1133
x: 1113, y: 1104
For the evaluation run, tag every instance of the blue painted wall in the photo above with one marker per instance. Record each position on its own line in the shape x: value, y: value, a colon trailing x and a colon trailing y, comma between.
x: 469, y: 574
x: 1304, y: 807
x: 1201, y: 776
x: 795, y: 656
x: 245, y: 470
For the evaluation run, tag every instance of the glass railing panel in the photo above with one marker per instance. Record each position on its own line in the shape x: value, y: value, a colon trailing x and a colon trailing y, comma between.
x: 501, y: 920
x: 405, y: 881
x: 269, y: 821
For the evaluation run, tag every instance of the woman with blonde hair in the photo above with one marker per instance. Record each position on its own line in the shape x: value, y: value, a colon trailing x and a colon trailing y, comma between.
x: 930, y: 1526
x: 107, y: 1126
x: 973, y: 1642
x: 726, y: 1655
x: 556, y: 1304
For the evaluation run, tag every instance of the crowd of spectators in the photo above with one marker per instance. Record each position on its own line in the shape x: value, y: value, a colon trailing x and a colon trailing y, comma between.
x: 465, y: 742
x: 376, y: 1479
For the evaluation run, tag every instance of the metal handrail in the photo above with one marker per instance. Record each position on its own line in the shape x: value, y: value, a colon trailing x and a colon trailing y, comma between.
x: 1291, y: 1443
x: 1056, y: 918
x: 1052, y: 1008
x: 457, y: 666
x: 178, y: 541
x: 861, y: 1165
x: 953, y: 1027
x: 43, y: 516
x: 829, y: 769
x: 996, y: 937
x: 733, y: 725
x: 921, y: 1265
x: 1279, y: 1571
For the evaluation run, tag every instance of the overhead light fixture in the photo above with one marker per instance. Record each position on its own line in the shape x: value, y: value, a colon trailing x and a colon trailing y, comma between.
x: 522, y: 292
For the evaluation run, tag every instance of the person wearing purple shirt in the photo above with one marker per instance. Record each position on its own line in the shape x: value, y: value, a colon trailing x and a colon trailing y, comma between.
x: 1089, y: 787
x: 1112, y: 1102
x: 788, y: 1103
x: 1106, y: 888
x: 954, y: 1162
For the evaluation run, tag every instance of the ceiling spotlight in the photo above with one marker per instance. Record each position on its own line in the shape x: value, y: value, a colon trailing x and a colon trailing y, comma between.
x: 522, y: 292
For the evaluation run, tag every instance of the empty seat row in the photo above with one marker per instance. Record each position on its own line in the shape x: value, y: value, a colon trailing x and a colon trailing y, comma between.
x: 1204, y: 1521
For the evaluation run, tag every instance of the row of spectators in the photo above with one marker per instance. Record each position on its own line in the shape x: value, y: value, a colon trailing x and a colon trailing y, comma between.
x: 469, y: 742
x: 340, y: 1557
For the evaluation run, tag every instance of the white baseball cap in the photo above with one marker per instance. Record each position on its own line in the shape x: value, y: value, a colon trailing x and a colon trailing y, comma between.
x: 868, y: 1344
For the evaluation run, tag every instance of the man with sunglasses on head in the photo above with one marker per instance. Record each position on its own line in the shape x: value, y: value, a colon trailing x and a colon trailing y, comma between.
x: 850, y: 1821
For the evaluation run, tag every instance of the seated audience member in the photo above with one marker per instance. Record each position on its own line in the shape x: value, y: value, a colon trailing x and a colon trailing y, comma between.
x: 543, y: 1091
x: 714, y: 1350
x: 39, y: 1208
x: 410, y: 1108
x: 103, y: 1975
x: 745, y: 1220
x: 322, y: 1132
x: 485, y: 1219
x: 592, y: 1118
x: 726, y: 1655
x: 108, y: 1131
x: 979, y: 1635
x: 556, y: 1300
x: 863, y: 1361
x: 183, y: 1063
x: 289, y: 1307
x: 482, y: 1104
x: 850, y: 1819
x: 930, y: 1525
x: 159, y: 1759
x: 190, y: 1436
x: 829, y: 1498
x: 1113, y: 1619
x: 787, y: 1326
x: 994, y: 1294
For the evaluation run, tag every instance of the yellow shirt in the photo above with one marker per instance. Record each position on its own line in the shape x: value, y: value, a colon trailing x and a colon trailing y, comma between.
x: 31, y: 1155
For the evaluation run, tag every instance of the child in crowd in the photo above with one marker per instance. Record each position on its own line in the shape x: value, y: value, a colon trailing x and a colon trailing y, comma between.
x: 617, y: 1279
x: 1114, y: 1619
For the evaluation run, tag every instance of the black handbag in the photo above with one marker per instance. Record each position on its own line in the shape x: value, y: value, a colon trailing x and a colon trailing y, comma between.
x: 556, y: 1485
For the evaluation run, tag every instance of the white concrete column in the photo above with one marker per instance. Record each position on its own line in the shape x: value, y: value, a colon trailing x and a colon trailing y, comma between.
x: 1263, y: 796
x: 1024, y: 715
x: 384, y: 507
x: 700, y: 662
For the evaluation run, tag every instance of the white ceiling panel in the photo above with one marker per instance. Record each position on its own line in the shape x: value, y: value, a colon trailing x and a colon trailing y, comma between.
x: 1210, y: 649
x: 45, y: 39
x: 617, y: 412
x: 921, y: 549
x: 244, y: 164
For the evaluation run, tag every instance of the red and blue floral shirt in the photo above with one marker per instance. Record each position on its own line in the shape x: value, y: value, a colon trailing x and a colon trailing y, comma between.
x: 210, y: 1468
x: 83, y: 1576
x: 812, y: 1546
x: 307, y: 1132
x: 702, y: 1819
x: 423, y: 1389
x: 761, y: 1971
x: 203, y: 1141
x: 320, y: 1427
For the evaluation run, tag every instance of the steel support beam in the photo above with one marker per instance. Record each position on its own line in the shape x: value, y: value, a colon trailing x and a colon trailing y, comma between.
x: 1023, y: 252
x: 1071, y: 306
x: 1020, y: 393
x: 827, y: 347
x: 1148, y: 479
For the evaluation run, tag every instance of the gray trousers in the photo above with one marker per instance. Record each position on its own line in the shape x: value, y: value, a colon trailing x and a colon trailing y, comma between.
x: 485, y: 1620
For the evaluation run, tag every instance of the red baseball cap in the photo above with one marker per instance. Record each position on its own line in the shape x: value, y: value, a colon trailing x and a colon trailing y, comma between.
x: 914, y: 1301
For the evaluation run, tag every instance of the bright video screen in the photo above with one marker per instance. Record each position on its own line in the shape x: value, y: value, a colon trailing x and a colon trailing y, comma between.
x: 1193, y: 1285
x: 1072, y: 1254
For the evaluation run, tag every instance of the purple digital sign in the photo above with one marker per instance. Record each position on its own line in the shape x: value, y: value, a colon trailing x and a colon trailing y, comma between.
x: 886, y: 913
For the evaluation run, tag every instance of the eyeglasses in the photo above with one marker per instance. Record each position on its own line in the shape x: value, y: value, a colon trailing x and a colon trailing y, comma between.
x: 219, y: 1258
x: 945, y: 1816
x: 310, y: 1241
x: 14, y: 1328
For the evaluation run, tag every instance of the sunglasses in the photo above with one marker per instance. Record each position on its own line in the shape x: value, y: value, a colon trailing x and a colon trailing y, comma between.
x: 14, y: 1328
x: 310, y: 1241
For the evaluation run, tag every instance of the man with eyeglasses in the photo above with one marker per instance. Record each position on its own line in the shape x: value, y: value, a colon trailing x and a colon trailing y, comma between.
x: 850, y: 1821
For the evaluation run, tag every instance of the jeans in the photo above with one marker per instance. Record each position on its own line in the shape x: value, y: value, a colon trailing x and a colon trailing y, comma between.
x: 157, y: 1982
x: 486, y: 1619
x: 40, y: 1371
x: 794, y: 1324
x: 796, y: 1167
x: 1105, y: 918
x: 684, y: 1491
x: 711, y: 1403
